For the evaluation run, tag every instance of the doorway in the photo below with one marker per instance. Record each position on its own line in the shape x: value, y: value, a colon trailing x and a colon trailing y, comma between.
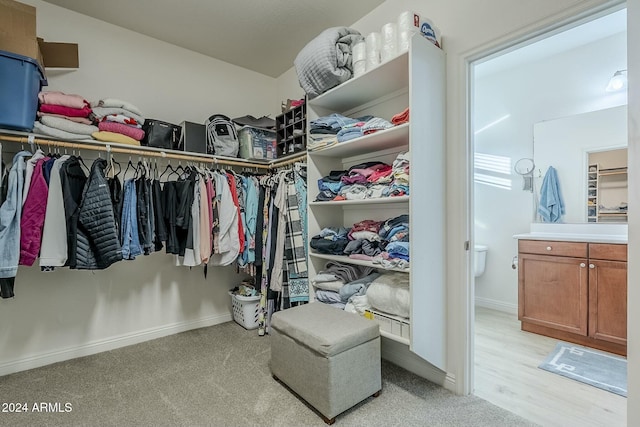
x: 511, y: 91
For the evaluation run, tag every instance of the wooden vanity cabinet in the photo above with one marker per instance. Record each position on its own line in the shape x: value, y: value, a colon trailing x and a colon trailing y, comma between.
x: 608, y: 292
x: 574, y: 291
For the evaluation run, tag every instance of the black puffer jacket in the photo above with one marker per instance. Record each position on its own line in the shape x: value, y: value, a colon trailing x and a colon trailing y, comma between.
x: 98, y: 244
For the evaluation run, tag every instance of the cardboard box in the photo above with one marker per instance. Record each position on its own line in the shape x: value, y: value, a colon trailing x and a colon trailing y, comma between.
x: 59, y: 55
x: 18, y: 29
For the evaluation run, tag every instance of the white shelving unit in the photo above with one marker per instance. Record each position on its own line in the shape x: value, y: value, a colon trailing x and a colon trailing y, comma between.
x: 415, y: 79
x: 612, y: 183
x: 592, y: 193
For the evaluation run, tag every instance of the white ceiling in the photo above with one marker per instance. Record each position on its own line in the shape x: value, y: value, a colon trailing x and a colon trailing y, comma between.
x: 264, y: 36
x: 572, y: 38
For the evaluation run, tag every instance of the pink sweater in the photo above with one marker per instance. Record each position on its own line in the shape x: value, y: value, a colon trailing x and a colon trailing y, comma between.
x: 59, y: 98
x: 127, y: 130
x: 33, y: 213
x: 65, y: 111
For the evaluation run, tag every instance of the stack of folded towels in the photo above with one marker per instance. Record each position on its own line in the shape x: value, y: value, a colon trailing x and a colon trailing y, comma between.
x: 64, y: 116
x: 118, y: 121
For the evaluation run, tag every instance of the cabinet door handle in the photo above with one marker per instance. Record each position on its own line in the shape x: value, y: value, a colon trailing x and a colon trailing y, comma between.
x: 583, y: 265
x: 592, y: 266
x: 548, y: 248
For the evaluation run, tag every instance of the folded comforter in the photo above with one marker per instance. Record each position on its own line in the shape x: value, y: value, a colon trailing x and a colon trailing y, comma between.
x: 325, y: 61
x: 69, y: 126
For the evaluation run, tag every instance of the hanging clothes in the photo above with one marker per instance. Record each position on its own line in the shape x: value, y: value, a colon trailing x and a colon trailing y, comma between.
x: 280, y: 202
x: 53, y: 251
x: 73, y: 180
x: 205, y: 220
x: 158, y: 217
x: 129, y: 235
x: 116, y: 194
x: 227, y: 237
x: 192, y: 253
x: 98, y: 245
x: 33, y: 214
x: 10, y: 214
x: 28, y: 174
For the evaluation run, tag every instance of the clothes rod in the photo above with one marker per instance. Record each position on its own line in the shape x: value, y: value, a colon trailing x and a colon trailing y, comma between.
x: 108, y: 148
x: 302, y: 157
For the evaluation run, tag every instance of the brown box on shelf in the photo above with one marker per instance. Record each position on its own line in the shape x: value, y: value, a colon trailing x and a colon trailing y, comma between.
x: 59, y: 55
x: 18, y: 29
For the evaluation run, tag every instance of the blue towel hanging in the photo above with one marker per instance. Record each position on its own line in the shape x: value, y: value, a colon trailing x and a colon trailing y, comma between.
x: 551, y: 206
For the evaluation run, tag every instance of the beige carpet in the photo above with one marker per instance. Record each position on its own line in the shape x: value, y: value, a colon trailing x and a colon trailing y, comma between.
x: 218, y: 376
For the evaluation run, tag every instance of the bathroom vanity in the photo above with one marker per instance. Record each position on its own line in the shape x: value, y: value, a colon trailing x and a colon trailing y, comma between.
x: 573, y: 285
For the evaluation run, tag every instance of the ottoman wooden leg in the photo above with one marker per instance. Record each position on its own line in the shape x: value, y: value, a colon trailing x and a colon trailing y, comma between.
x: 377, y: 393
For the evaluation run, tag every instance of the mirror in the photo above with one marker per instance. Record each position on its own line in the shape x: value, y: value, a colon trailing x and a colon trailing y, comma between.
x: 589, y: 154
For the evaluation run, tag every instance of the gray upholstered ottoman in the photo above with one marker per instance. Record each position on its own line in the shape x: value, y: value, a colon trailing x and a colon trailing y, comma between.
x: 328, y: 357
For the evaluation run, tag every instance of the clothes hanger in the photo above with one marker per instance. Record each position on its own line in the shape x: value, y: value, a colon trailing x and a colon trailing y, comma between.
x: 168, y: 168
x: 79, y: 157
x: 129, y: 164
x: 114, y: 162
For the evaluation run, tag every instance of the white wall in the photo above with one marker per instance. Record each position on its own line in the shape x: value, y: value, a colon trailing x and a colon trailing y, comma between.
x: 559, y: 86
x: 165, y: 81
x: 60, y: 315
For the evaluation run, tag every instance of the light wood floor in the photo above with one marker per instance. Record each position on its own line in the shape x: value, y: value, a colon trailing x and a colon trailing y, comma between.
x: 507, y: 375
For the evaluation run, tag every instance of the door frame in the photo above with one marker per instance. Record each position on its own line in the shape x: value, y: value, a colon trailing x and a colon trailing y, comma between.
x: 582, y: 13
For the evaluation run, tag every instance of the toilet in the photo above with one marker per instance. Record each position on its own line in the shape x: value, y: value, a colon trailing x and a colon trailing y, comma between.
x: 479, y: 259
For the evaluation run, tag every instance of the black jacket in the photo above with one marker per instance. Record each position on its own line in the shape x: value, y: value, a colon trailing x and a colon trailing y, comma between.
x: 73, y: 180
x: 98, y: 243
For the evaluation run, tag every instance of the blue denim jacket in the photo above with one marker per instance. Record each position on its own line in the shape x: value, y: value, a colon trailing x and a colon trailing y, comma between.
x: 10, y: 213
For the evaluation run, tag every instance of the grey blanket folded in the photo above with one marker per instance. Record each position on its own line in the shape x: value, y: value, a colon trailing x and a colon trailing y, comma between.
x: 325, y: 61
x: 69, y: 126
x: 57, y: 133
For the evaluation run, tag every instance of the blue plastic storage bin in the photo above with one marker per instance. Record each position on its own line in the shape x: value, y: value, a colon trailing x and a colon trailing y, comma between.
x: 21, y: 78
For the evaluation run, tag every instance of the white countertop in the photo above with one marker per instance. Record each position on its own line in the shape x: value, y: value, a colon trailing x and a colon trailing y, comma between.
x: 596, y: 233
x: 573, y: 237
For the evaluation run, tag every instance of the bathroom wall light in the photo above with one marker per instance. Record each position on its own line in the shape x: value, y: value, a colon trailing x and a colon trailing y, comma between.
x: 618, y: 81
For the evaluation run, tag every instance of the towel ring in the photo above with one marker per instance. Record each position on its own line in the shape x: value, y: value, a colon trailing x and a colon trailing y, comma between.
x: 525, y: 167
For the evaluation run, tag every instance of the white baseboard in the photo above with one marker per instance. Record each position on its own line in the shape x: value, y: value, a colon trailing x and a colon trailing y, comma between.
x: 399, y: 354
x: 42, y: 359
x: 506, y: 307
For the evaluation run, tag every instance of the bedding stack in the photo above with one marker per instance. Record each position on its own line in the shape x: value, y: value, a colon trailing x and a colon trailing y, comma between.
x: 64, y: 116
x: 326, y: 61
x: 358, y: 288
x: 118, y: 121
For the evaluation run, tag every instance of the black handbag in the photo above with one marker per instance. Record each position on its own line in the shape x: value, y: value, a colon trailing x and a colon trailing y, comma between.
x: 160, y: 134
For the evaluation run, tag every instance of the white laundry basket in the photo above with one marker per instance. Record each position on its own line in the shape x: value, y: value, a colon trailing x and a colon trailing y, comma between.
x: 246, y: 310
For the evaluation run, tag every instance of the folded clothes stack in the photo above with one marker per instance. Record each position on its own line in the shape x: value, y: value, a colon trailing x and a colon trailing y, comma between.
x: 118, y: 121
x: 382, y: 242
x: 369, y: 180
x: 64, y: 116
x: 329, y: 130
